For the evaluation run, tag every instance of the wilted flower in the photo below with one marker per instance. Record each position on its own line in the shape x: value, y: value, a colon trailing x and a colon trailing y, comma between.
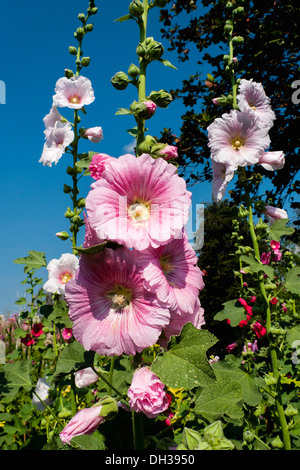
x: 146, y: 393
x: 259, y: 329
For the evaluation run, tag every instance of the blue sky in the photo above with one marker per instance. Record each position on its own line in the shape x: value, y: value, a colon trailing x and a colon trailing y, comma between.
x: 35, y: 37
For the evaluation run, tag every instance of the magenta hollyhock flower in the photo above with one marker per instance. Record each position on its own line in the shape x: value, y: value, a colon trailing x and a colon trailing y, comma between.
x: 112, y: 312
x: 151, y: 107
x: 252, y: 97
x: 57, y: 139
x: 222, y: 175
x: 275, y: 245
x: 237, y: 139
x: 37, y: 329
x: 94, y: 134
x: 171, y: 272
x: 178, y: 320
x: 274, y: 213
x: 266, y: 258
x: 97, y: 165
x: 86, y: 421
x: 169, y: 152
x: 67, y: 333
x: 231, y: 347
x: 60, y: 271
x: 259, y: 329
x: 146, y: 393
x: 27, y: 340
x: 85, y: 377
x: 74, y: 92
x: 138, y: 202
x: 272, y: 160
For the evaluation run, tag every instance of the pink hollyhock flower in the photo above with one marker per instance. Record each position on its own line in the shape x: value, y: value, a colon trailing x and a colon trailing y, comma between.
x: 94, y: 134
x: 171, y: 272
x: 60, y: 271
x: 247, y: 307
x: 67, y: 333
x: 252, y: 97
x: 58, y: 138
x: 37, y: 329
x: 237, y: 139
x: 266, y: 258
x: 146, y: 393
x: 275, y: 213
x: 90, y: 237
x: 231, y: 347
x: 85, y: 377
x: 138, y: 202
x: 112, y: 312
x: 259, y: 329
x: 86, y: 421
x: 97, y: 165
x: 169, y: 152
x: 27, y: 340
x: 275, y: 245
x: 222, y: 175
x: 253, y: 299
x: 74, y: 92
x: 178, y: 320
x: 251, y: 347
x: 151, y: 107
x: 274, y: 301
x: 272, y: 160
x: 284, y: 307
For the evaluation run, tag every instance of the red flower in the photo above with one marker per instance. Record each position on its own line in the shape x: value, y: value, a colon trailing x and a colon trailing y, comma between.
x: 274, y: 301
x: 37, y: 329
x: 259, y: 329
x: 27, y: 340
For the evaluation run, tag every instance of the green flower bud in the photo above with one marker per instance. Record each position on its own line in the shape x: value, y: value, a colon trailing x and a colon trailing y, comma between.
x: 79, y: 33
x: 92, y: 11
x: 238, y: 11
x: 228, y: 28
x: 89, y: 27
x: 161, y: 98
x: 67, y: 189
x: 143, y: 147
x: 237, y: 40
x: 161, y: 3
x: 150, y: 140
x: 81, y: 16
x: 64, y: 413
x: 69, y: 214
x: 136, y: 8
x: 72, y: 50
x: 141, y: 50
x: 248, y: 436
x: 85, y: 61
x: 155, y: 49
x: 109, y: 407
x: 133, y: 71
x: 63, y: 236
x: 69, y: 73
x: 277, y: 443
x: 290, y: 410
x: 120, y: 80
x: 81, y: 202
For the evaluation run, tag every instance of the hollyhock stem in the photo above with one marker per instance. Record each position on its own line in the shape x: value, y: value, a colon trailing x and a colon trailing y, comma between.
x: 142, y: 76
x: 232, y: 77
x: 138, y: 432
x: 273, y: 353
x: 48, y: 409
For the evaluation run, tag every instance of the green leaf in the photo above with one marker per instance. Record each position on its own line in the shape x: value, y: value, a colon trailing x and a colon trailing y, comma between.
x: 220, y: 399
x: 92, y: 250
x: 73, y: 358
x: 21, y: 301
x: 123, y: 111
x: 278, y: 229
x: 17, y: 375
x: 185, y: 363
x: 233, y: 311
x: 293, y: 335
x: 34, y: 260
x: 86, y: 442
x: 292, y: 280
x: 124, y: 18
x: 257, y: 266
x: 167, y: 63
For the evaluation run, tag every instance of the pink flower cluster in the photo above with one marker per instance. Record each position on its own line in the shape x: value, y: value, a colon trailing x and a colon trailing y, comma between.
x: 126, y: 299
x: 241, y: 137
x: 273, y: 255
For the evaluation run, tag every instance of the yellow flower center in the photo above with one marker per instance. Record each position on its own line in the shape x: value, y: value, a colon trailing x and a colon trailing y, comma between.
x: 139, y: 212
x: 65, y: 277
x: 237, y: 143
x: 75, y: 99
x: 120, y: 297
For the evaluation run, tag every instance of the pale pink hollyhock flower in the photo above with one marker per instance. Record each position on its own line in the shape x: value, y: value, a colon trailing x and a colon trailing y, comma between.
x: 146, y: 393
x: 252, y: 97
x: 74, y: 92
x: 112, y: 312
x: 169, y: 152
x: 97, y: 165
x: 178, y: 320
x: 236, y: 138
x: 272, y: 160
x: 171, y: 272
x: 138, y: 202
x: 85, y: 377
x: 94, y: 134
x: 251, y: 347
x: 67, y: 333
x: 222, y: 175
x: 151, y: 107
x: 274, y: 213
x: 86, y: 421
x: 58, y: 138
x: 51, y: 119
x: 60, y: 271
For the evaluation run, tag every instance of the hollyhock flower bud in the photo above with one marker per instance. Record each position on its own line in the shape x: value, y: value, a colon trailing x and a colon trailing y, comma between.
x: 275, y: 213
x: 155, y: 49
x: 272, y: 160
x: 97, y: 165
x: 62, y: 235
x: 120, y: 81
x: 151, y: 107
x: 161, y: 98
x: 94, y: 134
x: 146, y: 393
x: 85, y: 377
x: 169, y: 152
x: 136, y: 8
x: 86, y: 421
x: 231, y: 347
x: 274, y: 301
x: 133, y: 71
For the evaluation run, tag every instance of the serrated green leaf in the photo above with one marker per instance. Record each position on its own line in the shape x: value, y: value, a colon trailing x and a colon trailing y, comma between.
x: 292, y: 280
x: 34, y: 260
x: 257, y: 266
x: 73, y: 358
x: 17, y: 375
x: 86, y: 442
x: 185, y: 363
x: 279, y: 229
x: 233, y: 311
